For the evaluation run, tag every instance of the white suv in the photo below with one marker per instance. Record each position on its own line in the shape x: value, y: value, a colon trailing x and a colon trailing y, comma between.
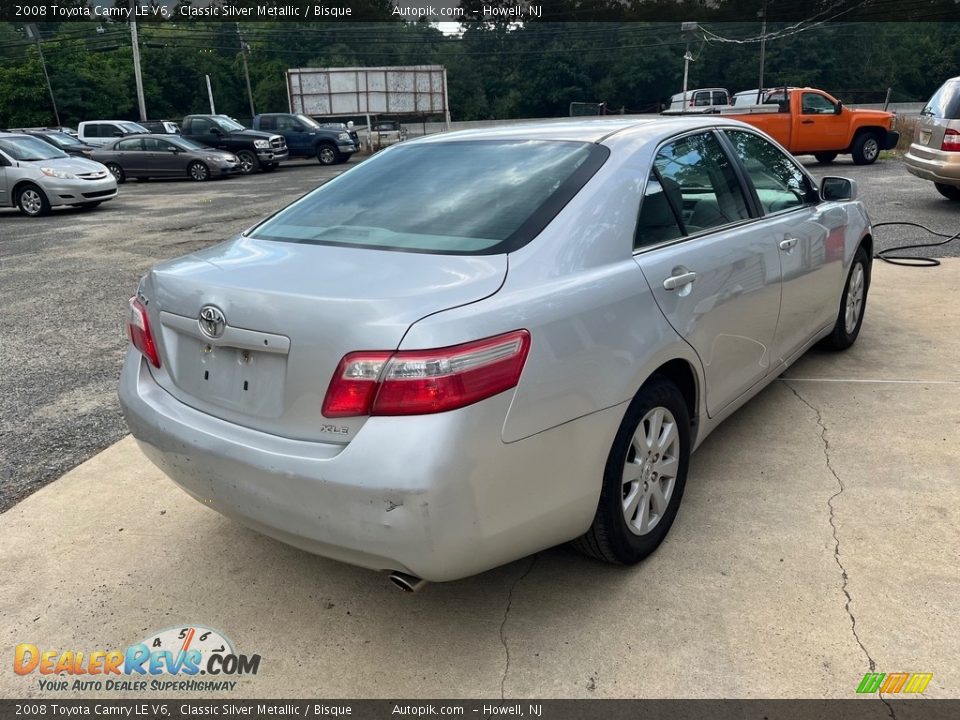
x: 100, y: 132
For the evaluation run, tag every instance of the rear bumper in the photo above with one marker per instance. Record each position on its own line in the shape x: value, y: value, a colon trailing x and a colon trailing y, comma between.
x: 935, y: 165
x: 437, y: 496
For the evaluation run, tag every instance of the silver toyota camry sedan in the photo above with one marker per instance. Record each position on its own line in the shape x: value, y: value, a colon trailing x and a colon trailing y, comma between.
x: 477, y: 345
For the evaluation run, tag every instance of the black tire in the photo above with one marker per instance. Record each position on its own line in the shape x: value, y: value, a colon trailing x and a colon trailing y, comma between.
x: 199, y: 171
x: 825, y: 158
x: 948, y: 191
x: 32, y: 201
x: 327, y: 154
x: 249, y: 162
x: 118, y: 174
x: 866, y: 148
x: 845, y: 335
x: 609, y: 537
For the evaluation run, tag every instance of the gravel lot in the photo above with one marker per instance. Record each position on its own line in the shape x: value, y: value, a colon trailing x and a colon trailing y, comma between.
x: 65, y: 280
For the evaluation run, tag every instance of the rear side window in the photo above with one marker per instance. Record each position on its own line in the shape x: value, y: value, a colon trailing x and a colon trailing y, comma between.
x: 479, y: 197
x: 134, y: 144
x: 945, y: 103
x: 658, y: 219
x: 779, y: 182
x: 708, y: 188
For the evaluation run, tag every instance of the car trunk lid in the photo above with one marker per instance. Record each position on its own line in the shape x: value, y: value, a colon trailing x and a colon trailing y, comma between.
x: 251, y: 331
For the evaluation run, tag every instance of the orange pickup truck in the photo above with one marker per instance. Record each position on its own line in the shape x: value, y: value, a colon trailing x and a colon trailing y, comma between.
x: 811, y: 122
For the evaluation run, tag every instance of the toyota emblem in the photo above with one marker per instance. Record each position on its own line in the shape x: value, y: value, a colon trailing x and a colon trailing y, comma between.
x: 212, y: 321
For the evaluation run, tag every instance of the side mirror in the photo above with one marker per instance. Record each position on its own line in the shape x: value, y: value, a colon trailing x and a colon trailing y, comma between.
x: 839, y: 108
x: 117, y: 133
x: 838, y: 188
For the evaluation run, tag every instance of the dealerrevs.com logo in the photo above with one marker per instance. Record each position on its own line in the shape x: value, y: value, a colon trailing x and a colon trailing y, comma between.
x: 182, y: 658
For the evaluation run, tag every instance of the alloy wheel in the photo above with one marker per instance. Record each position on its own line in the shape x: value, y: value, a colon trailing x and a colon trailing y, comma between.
x: 871, y: 148
x: 31, y: 201
x: 198, y: 171
x: 650, y: 471
x: 854, y: 298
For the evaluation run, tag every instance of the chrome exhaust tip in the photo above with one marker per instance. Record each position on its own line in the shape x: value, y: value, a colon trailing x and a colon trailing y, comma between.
x: 407, y: 583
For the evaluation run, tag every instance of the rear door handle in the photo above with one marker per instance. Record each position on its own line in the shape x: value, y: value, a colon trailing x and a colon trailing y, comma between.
x: 678, y: 281
x: 788, y: 243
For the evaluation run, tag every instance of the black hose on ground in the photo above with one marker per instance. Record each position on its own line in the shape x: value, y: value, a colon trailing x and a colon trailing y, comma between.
x: 910, y: 260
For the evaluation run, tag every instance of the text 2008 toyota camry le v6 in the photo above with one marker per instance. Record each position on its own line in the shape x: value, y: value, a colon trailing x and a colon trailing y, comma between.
x: 478, y: 345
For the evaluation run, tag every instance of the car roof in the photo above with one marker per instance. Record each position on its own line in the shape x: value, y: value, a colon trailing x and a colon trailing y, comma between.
x: 583, y: 130
x: 4, y: 134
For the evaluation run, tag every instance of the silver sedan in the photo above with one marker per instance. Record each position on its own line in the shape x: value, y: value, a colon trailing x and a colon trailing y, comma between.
x: 477, y: 345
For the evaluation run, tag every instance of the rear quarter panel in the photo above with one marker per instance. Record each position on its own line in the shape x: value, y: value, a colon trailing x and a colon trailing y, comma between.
x: 596, y: 331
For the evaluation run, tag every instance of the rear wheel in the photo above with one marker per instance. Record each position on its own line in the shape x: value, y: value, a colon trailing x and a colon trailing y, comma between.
x: 32, y: 201
x: 825, y: 158
x: 644, y: 477
x: 249, y: 163
x: 948, y: 191
x: 199, y: 171
x: 327, y: 154
x: 866, y: 149
x: 118, y: 174
x: 852, y: 304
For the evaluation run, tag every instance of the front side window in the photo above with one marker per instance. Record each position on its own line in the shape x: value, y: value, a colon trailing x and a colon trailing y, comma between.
x: 719, y: 97
x: 709, y: 191
x: 778, y: 180
x: 201, y: 126
x: 479, y: 197
x: 814, y: 104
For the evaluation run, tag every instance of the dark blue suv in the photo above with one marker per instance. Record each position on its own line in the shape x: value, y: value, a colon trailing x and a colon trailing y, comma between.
x: 307, y: 138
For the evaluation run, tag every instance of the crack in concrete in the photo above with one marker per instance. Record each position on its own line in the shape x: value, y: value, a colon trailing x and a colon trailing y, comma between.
x: 503, y: 625
x: 836, y: 538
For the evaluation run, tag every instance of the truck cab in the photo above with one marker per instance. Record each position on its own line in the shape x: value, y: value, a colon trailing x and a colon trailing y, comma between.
x: 306, y: 137
x: 256, y: 151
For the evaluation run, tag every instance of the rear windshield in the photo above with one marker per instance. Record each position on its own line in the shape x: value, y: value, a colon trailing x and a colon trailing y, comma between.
x: 945, y: 102
x: 456, y: 197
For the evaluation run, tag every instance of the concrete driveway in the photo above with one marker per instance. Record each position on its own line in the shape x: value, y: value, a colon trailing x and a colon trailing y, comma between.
x: 819, y: 538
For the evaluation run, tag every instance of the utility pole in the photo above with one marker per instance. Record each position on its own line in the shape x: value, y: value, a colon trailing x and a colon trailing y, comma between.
x: 246, y: 72
x: 213, y: 110
x: 33, y: 33
x: 763, y: 49
x: 688, y: 29
x: 135, y: 44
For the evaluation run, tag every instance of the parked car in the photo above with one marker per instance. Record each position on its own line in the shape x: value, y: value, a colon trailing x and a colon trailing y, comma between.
x: 255, y: 150
x: 359, y: 375
x: 305, y: 137
x: 60, y: 140
x: 703, y: 100
x: 100, y: 132
x: 812, y: 122
x: 934, y: 153
x: 161, y: 127
x: 388, y: 132
x: 35, y: 176
x: 165, y: 156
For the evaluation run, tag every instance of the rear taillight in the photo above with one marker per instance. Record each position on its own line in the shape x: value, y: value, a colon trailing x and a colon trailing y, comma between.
x: 417, y: 382
x: 141, y: 336
x: 951, y: 140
